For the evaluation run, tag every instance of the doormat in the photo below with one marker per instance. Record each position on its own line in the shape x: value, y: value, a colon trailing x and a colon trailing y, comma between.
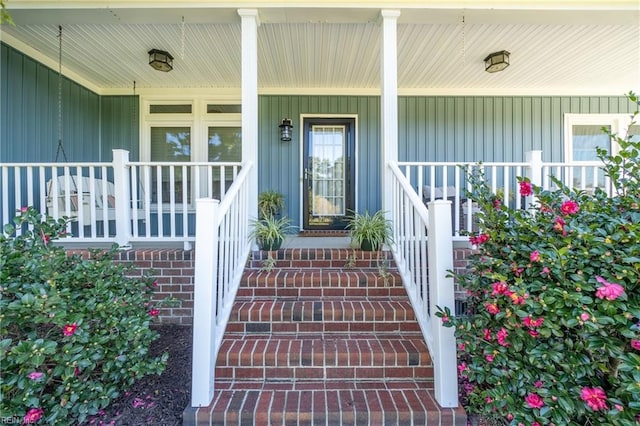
x: 324, y: 233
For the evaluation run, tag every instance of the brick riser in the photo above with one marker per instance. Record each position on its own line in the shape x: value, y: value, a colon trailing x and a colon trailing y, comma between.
x: 308, y: 343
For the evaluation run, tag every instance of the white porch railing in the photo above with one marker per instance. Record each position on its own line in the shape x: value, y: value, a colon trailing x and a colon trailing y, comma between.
x: 222, y: 248
x: 120, y: 201
x: 446, y: 180
x: 424, y: 264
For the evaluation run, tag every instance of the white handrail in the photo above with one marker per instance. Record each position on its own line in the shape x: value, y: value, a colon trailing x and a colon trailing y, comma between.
x: 424, y: 266
x: 222, y: 247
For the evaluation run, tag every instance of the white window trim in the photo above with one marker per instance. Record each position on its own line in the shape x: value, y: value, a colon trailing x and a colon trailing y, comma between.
x: 198, y: 120
x: 619, y: 124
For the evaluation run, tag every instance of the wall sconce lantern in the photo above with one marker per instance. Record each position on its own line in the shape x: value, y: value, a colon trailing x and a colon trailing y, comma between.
x: 160, y: 60
x: 285, y: 130
x: 496, y: 61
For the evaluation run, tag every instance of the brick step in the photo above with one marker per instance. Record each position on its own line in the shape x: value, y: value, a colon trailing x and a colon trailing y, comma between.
x: 362, y: 403
x: 319, y: 277
x: 240, y: 330
x: 320, y: 284
x: 407, y: 350
x: 322, y: 258
x: 270, y: 310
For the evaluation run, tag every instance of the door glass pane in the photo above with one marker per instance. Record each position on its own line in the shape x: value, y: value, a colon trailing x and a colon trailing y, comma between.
x: 169, y: 144
x: 224, y: 144
x: 326, y: 157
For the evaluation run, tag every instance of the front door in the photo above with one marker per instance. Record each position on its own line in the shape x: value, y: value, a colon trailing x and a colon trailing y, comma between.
x: 329, y: 172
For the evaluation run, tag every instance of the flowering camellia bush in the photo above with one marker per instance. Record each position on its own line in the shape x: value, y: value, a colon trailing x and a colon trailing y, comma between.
x: 552, y: 336
x: 73, y: 332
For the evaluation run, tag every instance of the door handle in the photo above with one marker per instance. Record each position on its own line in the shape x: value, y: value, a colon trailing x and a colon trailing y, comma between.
x: 306, y: 173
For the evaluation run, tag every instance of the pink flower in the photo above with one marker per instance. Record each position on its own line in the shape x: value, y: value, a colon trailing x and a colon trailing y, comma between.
x: 538, y: 384
x: 24, y: 209
x: 480, y: 239
x: 569, y: 207
x: 534, y: 400
x: 558, y: 225
x: 545, y: 209
x: 619, y: 407
x: 487, y: 334
x: 45, y: 238
x: 461, y: 346
x: 462, y: 369
x: 595, y: 398
x: 546, y: 270
x: 585, y: 316
x: 635, y: 344
x: 33, y: 415
x: 69, y: 329
x: 492, y: 308
x: 445, y: 319
x: 154, y: 312
x: 525, y: 188
x: 516, y: 299
x: 609, y: 291
x: 502, y: 337
x: 155, y: 283
x: 489, y: 357
x: 533, y: 333
x: 76, y: 371
x: 534, y: 256
x: 500, y: 288
x: 497, y: 204
x: 35, y: 375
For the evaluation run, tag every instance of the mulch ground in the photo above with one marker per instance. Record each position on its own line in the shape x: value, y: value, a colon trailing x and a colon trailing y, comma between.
x: 156, y: 400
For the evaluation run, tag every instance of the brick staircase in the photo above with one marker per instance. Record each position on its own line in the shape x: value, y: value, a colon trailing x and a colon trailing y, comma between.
x: 326, y: 337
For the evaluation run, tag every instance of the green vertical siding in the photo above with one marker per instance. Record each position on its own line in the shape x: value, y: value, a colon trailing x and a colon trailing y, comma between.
x: 119, y: 123
x: 279, y: 162
x: 497, y: 128
x: 29, y: 113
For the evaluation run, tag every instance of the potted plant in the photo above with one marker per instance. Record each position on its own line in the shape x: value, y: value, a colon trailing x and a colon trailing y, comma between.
x: 270, y: 203
x: 269, y: 232
x: 370, y: 232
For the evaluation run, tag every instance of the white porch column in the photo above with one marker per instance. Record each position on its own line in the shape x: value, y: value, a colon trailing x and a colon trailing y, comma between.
x: 389, y: 100
x: 249, y: 18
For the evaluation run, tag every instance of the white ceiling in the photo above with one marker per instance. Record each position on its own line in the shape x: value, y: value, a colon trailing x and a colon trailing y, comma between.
x: 338, y: 49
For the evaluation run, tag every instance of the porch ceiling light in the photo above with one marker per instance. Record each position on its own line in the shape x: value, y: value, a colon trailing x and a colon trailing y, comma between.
x: 496, y: 61
x: 160, y: 60
x: 285, y: 130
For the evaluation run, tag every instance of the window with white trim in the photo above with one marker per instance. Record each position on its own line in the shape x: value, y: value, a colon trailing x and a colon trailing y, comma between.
x: 189, y: 130
x: 584, y: 133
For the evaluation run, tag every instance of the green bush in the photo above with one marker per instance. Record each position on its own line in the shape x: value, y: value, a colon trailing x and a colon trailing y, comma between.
x: 553, y: 330
x: 73, y: 332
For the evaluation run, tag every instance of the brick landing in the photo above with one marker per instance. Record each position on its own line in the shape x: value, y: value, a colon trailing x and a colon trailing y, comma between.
x: 324, y: 338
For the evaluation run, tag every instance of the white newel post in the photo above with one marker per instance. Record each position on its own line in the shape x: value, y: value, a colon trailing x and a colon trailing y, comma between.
x: 204, y: 302
x: 441, y: 293
x: 122, y: 196
x: 534, y: 159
